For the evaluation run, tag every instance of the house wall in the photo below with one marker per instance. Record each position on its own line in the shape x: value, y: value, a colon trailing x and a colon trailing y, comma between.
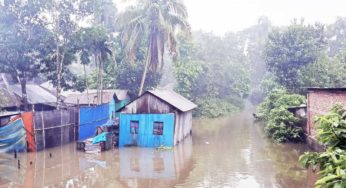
x: 183, y: 125
x: 145, y: 136
x: 320, y: 102
x: 148, y: 104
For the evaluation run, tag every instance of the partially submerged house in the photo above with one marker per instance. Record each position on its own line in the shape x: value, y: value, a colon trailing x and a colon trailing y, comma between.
x: 319, y: 102
x: 156, y: 118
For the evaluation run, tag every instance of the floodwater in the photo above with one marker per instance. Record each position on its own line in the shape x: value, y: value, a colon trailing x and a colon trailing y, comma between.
x: 227, y: 152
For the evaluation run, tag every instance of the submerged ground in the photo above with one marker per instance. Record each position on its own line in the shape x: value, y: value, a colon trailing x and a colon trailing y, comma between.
x: 227, y: 152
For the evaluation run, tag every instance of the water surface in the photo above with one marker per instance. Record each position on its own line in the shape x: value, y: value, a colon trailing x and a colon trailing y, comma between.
x: 226, y: 152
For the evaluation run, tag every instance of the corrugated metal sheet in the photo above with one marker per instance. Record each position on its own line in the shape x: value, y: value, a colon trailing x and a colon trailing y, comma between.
x: 55, y: 127
x: 6, y: 114
x: 174, y: 99
x: 35, y: 93
x: 107, y: 97
x: 145, y: 136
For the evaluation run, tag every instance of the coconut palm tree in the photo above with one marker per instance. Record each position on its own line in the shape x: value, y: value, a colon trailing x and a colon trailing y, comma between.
x: 157, y: 23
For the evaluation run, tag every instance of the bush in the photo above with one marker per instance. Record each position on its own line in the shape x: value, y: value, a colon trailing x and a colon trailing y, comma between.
x: 331, y: 131
x: 214, y: 108
x: 280, y: 123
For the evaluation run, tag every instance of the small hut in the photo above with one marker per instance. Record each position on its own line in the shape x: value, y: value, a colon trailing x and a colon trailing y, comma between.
x: 156, y: 118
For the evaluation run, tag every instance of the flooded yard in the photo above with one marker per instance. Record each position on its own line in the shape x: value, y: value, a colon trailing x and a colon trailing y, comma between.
x: 227, y: 152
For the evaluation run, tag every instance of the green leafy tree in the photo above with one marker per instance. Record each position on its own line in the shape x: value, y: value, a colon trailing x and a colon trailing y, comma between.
x: 24, y: 40
x: 336, y: 36
x: 288, y: 50
x: 129, y: 75
x: 156, y: 22
x: 331, y: 132
x: 326, y: 72
x: 281, y: 125
x: 94, y: 42
x: 216, y: 84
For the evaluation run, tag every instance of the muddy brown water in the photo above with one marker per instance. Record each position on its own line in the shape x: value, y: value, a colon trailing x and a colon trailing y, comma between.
x: 226, y: 152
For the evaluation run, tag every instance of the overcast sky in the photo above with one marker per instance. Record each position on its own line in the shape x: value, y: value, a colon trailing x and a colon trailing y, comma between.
x: 220, y: 16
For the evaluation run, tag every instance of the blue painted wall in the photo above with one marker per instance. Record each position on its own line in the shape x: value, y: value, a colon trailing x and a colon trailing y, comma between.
x: 145, y: 136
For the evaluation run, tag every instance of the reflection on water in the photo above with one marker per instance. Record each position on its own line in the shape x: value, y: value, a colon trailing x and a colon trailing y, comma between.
x: 227, y: 152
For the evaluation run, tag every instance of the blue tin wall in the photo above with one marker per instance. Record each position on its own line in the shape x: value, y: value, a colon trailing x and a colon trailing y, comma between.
x: 90, y: 118
x: 94, y: 116
x: 145, y: 136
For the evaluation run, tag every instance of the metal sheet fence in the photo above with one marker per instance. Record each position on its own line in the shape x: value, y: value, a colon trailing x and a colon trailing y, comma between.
x: 91, y: 117
x: 55, y: 128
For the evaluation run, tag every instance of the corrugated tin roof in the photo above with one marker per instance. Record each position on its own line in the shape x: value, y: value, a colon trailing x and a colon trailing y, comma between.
x: 107, y: 96
x: 5, y: 114
x: 326, y: 89
x: 174, y: 99
x: 35, y: 93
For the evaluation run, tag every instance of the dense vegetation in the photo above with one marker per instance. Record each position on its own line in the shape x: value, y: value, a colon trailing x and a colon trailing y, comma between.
x: 331, y: 132
x: 87, y: 44
x: 296, y: 57
x: 281, y: 124
x: 212, y: 77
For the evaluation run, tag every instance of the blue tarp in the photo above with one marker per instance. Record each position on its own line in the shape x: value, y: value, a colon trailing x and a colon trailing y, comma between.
x: 13, y: 137
x: 145, y: 136
x: 100, y: 138
x: 90, y: 118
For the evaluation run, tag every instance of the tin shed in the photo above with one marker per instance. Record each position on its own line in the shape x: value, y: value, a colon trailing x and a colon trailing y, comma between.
x: 157, y: 117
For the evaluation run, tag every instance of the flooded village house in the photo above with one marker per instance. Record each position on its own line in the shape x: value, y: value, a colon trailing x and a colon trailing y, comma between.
x: 319, y: 102
x: 156, y: 118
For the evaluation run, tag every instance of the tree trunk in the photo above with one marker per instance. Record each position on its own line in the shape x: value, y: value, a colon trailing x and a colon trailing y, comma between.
x: 101, y: 79
x: 98, y: 79
x: 146, y: 66
x: 59, y: 77
x: 86, y: 84
x: 24, y: 94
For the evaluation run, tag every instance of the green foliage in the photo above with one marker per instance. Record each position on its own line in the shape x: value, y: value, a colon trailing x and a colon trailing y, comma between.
x: 25, y: 41
x: 326, y: 72
x: 187, y: 75
x: 280, y: 123
x: 290, y: 49
x: 331, y: 132
x: 213, y: 108
x: 128, y: 76
x: 210, y: 76
x: 332, y: 128
x: 156, y: 23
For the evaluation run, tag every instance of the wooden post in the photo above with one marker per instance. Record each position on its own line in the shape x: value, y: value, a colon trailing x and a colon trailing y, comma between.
x: 43, y: 131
